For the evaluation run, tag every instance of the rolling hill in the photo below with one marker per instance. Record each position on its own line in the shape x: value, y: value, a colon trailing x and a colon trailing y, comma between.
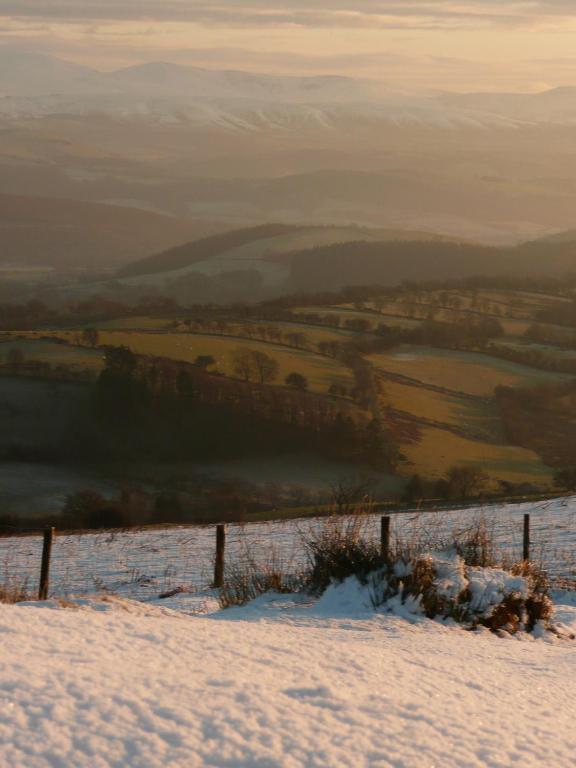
x: 292, y: 258
x: 261, y: 248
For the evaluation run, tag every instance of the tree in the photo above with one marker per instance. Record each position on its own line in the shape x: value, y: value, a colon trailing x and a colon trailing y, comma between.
x: 121, y: 361
x: 266, y: 367
x: 414, y: 490
x: 566, y: 479
x: 82, y: 508
x: 296, y: 381
x: 465, y: 482
x: 90, y: 337
x: 242, y: 364
x: 204, y: 361
x: 15, y: 358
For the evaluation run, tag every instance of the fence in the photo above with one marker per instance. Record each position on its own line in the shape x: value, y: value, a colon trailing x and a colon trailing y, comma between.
x: 144, y: 564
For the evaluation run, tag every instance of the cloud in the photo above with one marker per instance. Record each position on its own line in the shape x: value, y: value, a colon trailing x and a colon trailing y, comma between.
x: 298, y: 13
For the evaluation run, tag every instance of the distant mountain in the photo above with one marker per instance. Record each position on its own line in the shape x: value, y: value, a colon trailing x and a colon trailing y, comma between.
x: 231, y: 149
x: 34, y: 85
x: 67, y: 234
x: 34, y: 75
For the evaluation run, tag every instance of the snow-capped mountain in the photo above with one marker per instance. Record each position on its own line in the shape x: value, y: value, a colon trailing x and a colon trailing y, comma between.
x: 36, y: 86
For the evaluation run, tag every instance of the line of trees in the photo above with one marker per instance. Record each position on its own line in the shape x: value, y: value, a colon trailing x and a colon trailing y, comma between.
x: 166, y: 410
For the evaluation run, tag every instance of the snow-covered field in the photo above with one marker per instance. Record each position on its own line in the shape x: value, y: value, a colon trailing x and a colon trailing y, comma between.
x: 105, y: 681
x: 141, y: 565
x: 280, y: 683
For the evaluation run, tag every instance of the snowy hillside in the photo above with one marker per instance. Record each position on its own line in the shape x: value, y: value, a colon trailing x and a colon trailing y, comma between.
x: 143, y: 564
x: 280, y: 683
x: 35, y: 86
x: 286, y: 681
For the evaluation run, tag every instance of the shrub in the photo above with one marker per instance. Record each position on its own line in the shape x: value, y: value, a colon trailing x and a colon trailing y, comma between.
x: 339, y: 549
x: 443, y: 585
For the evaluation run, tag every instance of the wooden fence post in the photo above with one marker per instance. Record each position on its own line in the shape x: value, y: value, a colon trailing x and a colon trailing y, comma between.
x: 385, y: 537
x: 219, y: 562
x: 45, y: 567
x: 526, y: 543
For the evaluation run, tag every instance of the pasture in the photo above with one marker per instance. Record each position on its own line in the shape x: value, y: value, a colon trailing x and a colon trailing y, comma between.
x: 52, y: 352
x: 320, y: 371
x: 438, y: 449
x: 468, y: 372
x: 478, y: 417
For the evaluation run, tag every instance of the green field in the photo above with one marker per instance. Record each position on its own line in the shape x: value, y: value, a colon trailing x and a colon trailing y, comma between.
x: 555, y: 353
x: 469, y: 372
x: 320, y: 371
x: 436, y: 450
x: 439, y: 402
x: 54, y: 353
x: 478, y: 417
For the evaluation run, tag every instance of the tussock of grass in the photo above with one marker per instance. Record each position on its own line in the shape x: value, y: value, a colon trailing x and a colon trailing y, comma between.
x: 249, y: 578
x: 338, y: 550
x: 10, y: 593
x: 454, y: 577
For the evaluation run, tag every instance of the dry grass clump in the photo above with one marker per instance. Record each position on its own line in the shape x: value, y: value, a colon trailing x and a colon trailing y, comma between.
x: 453, y: 575
x: 428, y: 571
x: 12, y: 593
x: 339, y: 549
x: 248, y: 579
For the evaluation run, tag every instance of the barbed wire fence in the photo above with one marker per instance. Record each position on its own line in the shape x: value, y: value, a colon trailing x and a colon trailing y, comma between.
x: 147, y: 563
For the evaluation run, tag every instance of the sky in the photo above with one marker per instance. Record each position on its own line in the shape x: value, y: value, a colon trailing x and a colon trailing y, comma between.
x: 461, y: 45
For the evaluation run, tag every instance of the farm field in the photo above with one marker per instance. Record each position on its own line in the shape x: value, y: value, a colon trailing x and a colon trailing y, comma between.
x: 474, y: 415
x: 437, y: 449
x: 320, y: 371
x: 375, y: 319
x: 528, y: 346
x: 54, y: 353
x: 469, y: 372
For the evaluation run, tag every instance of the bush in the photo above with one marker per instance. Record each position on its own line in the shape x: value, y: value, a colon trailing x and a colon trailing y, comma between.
x: 338, y: 550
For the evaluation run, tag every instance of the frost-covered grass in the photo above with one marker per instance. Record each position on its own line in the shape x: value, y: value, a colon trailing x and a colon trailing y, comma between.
x: 279, y: 683
x: 143, y: 564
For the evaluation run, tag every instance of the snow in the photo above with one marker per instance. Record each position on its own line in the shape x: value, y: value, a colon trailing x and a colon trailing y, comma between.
x: 32, y: 85
x: 143, y: 564
x: 282, y: 682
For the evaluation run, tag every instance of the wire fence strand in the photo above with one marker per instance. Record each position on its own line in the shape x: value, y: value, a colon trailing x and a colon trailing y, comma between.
x: 143, y: 564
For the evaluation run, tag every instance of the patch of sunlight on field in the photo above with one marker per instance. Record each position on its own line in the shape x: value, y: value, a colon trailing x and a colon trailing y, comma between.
x: 320, y: 371
x: 477, y: 416
x: 437, y: 450
x: 469, y: 372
